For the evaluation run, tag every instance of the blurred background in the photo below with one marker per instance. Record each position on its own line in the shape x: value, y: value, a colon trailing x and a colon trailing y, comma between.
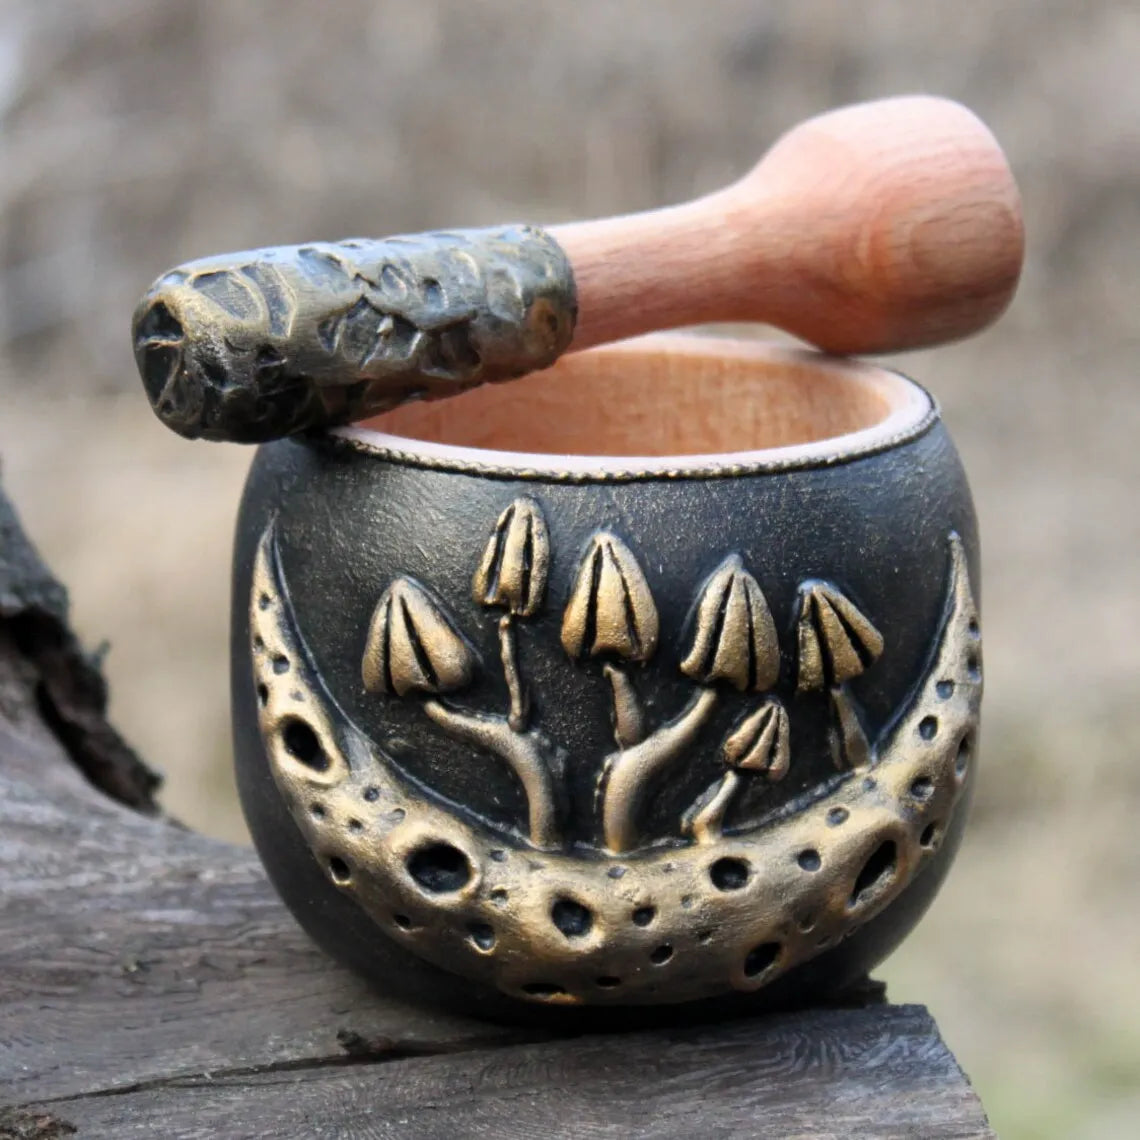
x: 135, y: 134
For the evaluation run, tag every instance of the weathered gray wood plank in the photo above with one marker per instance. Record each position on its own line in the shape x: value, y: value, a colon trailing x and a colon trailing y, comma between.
x: 831, y: 1073
x: 152, y: 985
x: 131, y: 951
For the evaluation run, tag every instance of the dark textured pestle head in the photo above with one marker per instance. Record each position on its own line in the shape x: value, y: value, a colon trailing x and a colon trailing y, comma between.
x: 262, y: 344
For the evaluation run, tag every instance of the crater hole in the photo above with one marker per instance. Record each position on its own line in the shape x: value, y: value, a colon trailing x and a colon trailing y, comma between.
x: 809, y: 859
x: 644, y: 915
x: 922, y: 787
x: 761, y: 958
x: 482, y: 935
x: 928, y: 727
x: 876, y: 871
x: 944, y: 689
x: 929, y: 835
x: 280, y: 663
x: 543, y: 990
x: 302, y: 744
x: 402, y: 921
x: 263, y: 695
x: 371, y: 795
x: 729, y: 873
x: 339, y: 869
x: 962, y: 762
x: 572, y: 918
x: 440, y: 868
x: 661, y: 954
x: 836, y: 816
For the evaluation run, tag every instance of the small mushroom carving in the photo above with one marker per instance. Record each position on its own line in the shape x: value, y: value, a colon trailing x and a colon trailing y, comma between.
x: 735, y: 638
x: 837, y: 642
x: 412, y: 645
x: 760, y: 743
x: 611, y: 613
x: 512, y: 576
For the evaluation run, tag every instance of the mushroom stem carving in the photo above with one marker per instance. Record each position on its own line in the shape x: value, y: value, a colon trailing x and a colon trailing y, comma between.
x: 509, y: 655
x: 629, y: 717
x: 629, y: 774
x: 706, y: 821
x: 525, y: 752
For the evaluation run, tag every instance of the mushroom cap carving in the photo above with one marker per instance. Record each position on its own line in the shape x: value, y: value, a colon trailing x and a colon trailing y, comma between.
x: 513, y: 570
x: 836, y: 639
x: 761, y: 742
x: 611, y: 609
x: 412, y: 645
x: 735, y: 638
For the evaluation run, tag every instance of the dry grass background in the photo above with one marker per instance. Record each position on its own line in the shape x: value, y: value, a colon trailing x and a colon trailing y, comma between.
x: 137, y: 133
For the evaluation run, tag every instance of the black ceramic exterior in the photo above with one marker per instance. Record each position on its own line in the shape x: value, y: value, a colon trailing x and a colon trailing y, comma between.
x: 349, y: 521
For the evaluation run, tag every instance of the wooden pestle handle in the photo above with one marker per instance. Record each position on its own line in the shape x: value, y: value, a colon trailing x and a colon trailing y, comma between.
x: 877, y: 227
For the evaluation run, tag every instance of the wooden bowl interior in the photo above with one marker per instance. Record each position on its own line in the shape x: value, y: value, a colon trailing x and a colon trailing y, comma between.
x: 664, y: 396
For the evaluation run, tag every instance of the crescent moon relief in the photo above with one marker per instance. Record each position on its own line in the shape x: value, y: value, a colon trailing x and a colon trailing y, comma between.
x: 632, y: 921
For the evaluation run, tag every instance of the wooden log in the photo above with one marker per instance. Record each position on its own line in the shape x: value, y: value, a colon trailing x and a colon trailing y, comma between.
x: 152, y: 985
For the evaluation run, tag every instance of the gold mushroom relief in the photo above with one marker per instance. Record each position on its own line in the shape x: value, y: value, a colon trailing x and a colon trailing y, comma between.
x: 836, y: 644
x: 636, y: 921
x: 512, y: 575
